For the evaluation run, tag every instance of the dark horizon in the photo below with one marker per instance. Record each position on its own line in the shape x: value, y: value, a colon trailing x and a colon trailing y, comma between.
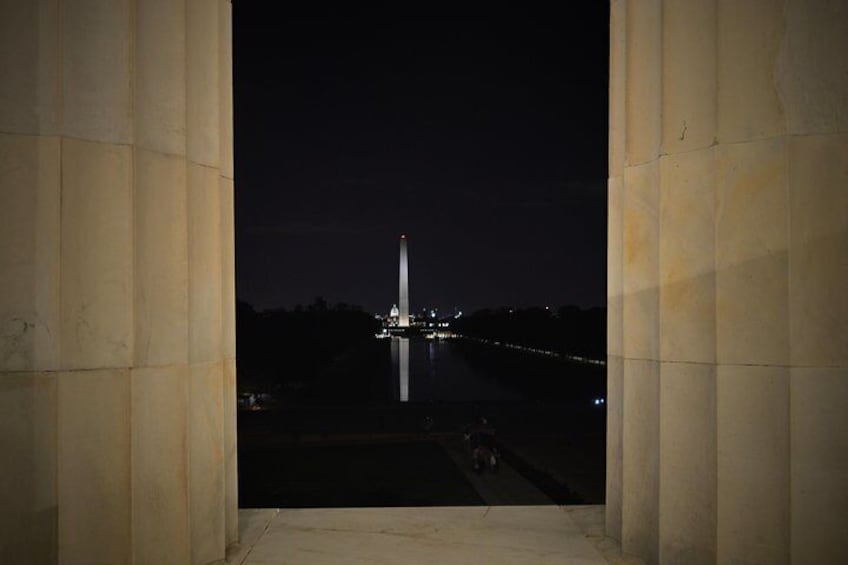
x: 484, y: 140
x: 352, y: 305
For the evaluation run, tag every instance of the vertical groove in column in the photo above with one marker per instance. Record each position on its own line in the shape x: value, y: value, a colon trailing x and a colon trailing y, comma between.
x: 614, y: 358
x: 160, y: 378
x: 30, y: 172
x: 225, y: 63
x: 206, y: 428
x: 96, y: 255
x: 229, y: 359
x: 160, y: 87
x: 617, y: 87
x: 207, y: 495
x: 753, y: 490
x: 190, y: 462
x: 226, y: 183
x: 640, y: 280
x: 94, y: 427
x: 203, y: 87
x: 94, y: 435
x: 688, y: 351
x: 688, y: 75
x: 819, y: 347
x: 615, y: 386
x: 640, y: 449
x: 813, y: 89
x: 28, y: 483
x: 640, y: 420
x: 97, y: 78
x: 207, y: 459
x: 687, y: 495
x: 752, y: 294
x: 643, y: 94
x: 30, y: 62
x: 225, y: 99
x: 749, y: 42
x: 615, y: 367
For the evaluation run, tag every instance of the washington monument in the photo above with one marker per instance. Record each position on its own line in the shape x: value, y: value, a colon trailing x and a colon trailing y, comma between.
x: 403, y: 300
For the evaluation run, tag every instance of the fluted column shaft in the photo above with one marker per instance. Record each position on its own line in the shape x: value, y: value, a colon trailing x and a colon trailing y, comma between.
x: 117, y: 361
x: 728, y: 242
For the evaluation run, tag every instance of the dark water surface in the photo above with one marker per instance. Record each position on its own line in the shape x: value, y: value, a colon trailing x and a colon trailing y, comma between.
x: 369, y: 433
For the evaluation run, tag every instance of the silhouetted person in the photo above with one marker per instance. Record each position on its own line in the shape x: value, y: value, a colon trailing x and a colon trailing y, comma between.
x: 480, y: 436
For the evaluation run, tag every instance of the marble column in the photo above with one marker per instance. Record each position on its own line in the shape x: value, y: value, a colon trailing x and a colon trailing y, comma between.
x: 117, y: 361
x: 728, y: 250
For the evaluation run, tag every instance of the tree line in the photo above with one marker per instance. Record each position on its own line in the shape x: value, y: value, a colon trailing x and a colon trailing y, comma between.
x: 296, y: 347
x: 568, y: 330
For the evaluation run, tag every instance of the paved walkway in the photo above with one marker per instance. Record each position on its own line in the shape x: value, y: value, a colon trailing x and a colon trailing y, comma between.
x: 506, y: 487
x: 565, y: 461
x: 436, y: 535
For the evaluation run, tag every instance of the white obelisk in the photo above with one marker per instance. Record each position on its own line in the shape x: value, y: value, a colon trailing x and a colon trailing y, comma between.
x: 403, y: 300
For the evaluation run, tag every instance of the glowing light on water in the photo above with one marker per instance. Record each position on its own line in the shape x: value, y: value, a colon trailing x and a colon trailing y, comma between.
x: 400, y: 362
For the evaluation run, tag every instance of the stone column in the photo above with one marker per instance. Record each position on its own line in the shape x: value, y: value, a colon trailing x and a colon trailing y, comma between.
x: 728, y: 253
x: 117, y: 365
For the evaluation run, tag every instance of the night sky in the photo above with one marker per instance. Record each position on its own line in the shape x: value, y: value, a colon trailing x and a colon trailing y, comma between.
x: 483, y: 136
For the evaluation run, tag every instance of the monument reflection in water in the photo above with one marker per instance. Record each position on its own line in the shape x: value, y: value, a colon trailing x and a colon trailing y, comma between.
x: 452, y: 371
x: 400, y: 366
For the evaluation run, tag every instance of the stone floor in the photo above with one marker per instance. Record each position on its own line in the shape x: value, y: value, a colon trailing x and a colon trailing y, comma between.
x: 430, y: 535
